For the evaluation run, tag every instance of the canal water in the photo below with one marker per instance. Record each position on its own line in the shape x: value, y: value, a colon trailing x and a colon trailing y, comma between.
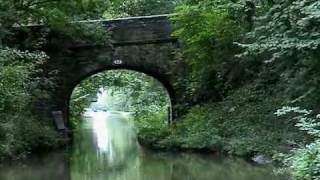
x: 105, y: 148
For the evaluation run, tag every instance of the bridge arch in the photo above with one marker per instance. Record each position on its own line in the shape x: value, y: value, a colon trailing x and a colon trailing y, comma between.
x: 142, y: 44
x: 167, y: 87
x: 161, y: 79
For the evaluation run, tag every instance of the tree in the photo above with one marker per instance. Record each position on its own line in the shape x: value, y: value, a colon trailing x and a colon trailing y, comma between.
x: 288, y: 35
x: 207, y: 31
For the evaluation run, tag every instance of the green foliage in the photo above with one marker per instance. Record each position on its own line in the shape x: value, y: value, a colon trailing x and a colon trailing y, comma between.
x: 60, y: 20
x: 151, y: 126
x: 67, y: 34
x: 21, y: 132
x: 38, y: 11
x: 125, y: 8
x: 288, y: 35
x: 24, y: 133
x: 195, y: 132
x: 17, y: 67
x: 237, y: 125
x: 305, y: 161
x: 207, y: 31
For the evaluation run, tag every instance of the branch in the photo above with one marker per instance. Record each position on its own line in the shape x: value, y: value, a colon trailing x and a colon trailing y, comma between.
x: 34, y: 3
x: 303, y: 96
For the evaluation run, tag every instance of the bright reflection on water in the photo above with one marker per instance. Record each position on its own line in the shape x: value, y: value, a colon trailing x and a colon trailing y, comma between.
x: 104, y: 144
x: 105, y: 148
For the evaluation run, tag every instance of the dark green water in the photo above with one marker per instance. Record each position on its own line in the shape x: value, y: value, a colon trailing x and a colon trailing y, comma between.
x: 105, y: 148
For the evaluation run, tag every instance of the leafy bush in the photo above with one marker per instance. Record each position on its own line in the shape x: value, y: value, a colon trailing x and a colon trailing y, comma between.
x: 304, y: 162
x: 208, y: 31
x: 24, y: 134
x: 287, y: 36
x: 151, y: 126
x: 194, y: 131
x: 21, y: 132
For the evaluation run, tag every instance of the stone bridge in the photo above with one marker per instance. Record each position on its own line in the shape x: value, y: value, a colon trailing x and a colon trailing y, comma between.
x: 143, y: 44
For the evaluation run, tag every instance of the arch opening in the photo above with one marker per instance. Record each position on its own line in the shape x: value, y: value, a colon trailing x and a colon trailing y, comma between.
x: 145, y: 97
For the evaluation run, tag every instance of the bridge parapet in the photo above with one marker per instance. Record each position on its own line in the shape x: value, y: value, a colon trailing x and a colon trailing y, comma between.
x: 138, y: 30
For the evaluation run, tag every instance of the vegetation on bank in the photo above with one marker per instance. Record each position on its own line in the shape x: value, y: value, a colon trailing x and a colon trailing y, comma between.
x: 242, y: 124
x: 20, y: 130
x: 242, y: 72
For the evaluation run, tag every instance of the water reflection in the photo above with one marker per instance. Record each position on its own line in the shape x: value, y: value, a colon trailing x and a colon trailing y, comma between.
x: 51, y: 166
x: 104, y: 144
x: 105, y: 148
x: 100, y: 129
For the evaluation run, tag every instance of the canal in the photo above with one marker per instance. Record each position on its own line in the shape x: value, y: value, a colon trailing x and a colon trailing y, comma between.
x: 105, y: 148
